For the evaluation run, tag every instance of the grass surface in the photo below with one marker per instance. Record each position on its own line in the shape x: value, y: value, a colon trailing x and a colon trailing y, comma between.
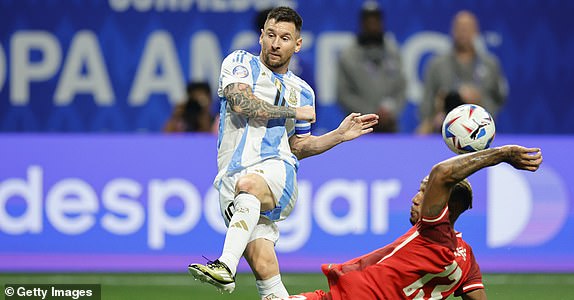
x: 182, y: 286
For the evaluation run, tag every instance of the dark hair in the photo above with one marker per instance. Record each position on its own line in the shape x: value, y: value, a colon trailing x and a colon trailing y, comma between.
x: 460, y: 200
x: 198, y: 85
x: 462, y: 193
x: 192, y: 109
x: 371, y: 9
x: 286, y: 14
x: 452, y: 100
x: 260, y: 18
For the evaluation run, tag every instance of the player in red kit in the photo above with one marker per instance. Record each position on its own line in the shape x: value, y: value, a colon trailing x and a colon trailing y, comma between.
x: 431, y: 260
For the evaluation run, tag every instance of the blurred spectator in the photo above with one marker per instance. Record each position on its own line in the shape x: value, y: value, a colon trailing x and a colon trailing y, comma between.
x: 370, y: 78
x: 193, y: 115
x: 464, y: 75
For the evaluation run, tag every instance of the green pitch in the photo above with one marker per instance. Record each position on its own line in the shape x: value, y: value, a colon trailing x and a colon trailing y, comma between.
x: 123, y: 286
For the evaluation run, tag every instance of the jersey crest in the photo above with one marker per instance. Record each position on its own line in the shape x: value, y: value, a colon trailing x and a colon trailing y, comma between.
x: 292, y: 97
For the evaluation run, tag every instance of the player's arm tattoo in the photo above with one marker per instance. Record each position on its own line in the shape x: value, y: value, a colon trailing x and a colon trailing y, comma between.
x: 448, y: 173
x: 458, y: 168
x: 243, y: 101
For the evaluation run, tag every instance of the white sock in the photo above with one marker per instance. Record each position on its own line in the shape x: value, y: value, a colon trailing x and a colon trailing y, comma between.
x: 273, y: 285
x: 245, y: 217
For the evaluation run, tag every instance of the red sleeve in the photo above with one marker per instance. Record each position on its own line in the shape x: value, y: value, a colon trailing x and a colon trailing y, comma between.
x: 473, y: 280
x: 357, y: 263
x: 438, y: 229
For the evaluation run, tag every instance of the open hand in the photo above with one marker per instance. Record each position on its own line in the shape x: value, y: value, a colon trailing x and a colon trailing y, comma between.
x: 355, y: 125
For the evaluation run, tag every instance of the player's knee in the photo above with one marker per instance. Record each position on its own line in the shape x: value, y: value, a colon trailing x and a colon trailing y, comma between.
x: 256, y: 186
x: 249, y: 184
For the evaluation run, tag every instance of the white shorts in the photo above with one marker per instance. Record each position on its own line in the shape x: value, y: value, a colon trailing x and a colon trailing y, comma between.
x: 281, y: 178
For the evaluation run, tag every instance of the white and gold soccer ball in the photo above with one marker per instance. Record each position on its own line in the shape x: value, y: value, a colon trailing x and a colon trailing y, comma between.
x: 468, y: 128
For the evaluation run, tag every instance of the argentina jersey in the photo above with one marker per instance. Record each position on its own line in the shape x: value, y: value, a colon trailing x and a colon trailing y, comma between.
x: 244, y: 141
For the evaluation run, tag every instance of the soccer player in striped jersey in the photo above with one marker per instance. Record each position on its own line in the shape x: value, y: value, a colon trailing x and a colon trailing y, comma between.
x: 431, y: 260
x: 265, y: 129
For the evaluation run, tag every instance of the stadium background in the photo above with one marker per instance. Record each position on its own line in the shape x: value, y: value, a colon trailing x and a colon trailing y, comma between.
x: 117, y: 196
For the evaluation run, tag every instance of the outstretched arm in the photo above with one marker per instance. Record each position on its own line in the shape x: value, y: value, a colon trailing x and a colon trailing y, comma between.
x: 353, y: 126
x: 243, y: 101
x: 448, y: 173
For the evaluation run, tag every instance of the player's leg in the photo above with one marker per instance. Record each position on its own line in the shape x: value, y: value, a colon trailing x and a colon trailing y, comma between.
x: 260, y: 254
x: 252, y: 193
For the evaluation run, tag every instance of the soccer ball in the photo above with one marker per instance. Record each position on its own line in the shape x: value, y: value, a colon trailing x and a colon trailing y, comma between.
x: 468, y: 128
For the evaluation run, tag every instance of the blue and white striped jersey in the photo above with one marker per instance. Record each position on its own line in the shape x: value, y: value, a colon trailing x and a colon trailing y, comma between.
x: 243, y: 141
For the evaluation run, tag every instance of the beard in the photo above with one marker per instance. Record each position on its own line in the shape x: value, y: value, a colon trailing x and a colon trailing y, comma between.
x: 273, y: 64
x: 413, y: 218
x: 463, y: 46
x: 371, y: 39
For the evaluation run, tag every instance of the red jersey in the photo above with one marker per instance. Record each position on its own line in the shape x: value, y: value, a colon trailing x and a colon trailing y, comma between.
x: 430, y: 261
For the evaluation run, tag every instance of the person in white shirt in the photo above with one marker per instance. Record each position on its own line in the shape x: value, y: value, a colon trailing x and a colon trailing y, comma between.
x: 264, y: 130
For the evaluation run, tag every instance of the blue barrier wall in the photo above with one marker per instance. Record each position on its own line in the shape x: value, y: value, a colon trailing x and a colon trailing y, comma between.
x: 120, y: 65
x: 145, y: 203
